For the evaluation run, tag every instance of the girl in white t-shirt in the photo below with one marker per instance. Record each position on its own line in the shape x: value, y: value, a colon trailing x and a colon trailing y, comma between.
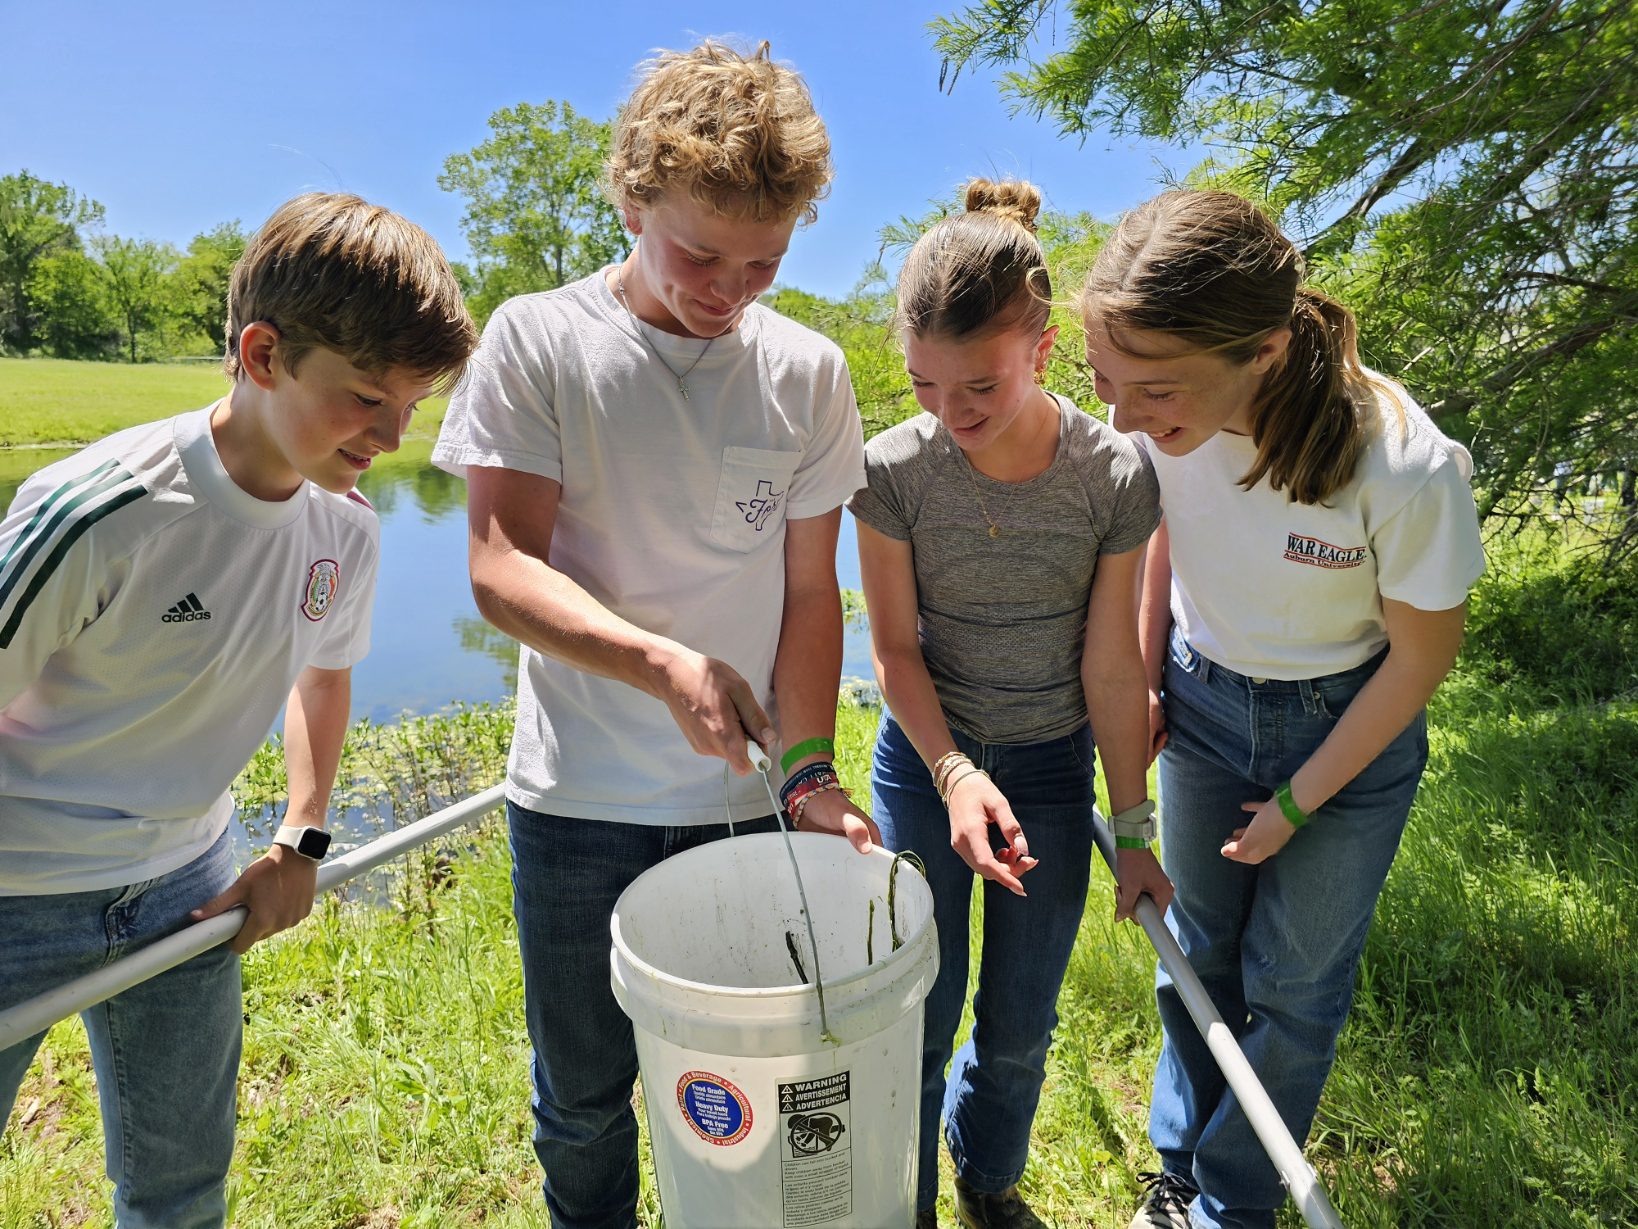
x: 1304, y: 597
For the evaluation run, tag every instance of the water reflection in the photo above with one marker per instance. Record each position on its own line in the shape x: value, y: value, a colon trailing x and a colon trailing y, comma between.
x: 429, y: 646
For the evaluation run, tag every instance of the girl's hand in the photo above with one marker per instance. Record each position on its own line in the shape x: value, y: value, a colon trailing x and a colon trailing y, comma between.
x: 1263, y: 837
x: 975, y: 804
x: 1138, y: 871
x: 1157, y: 726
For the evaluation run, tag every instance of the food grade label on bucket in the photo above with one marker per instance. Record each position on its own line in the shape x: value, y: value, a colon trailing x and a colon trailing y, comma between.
x: 816, y: 1149
x: 718, y: 1112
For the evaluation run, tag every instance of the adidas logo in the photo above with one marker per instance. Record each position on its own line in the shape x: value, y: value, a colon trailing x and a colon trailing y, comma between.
x: 187, y: 610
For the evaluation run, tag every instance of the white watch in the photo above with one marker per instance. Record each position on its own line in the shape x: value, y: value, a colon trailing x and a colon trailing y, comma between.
x: 1135, y: 823
x: 311, y: 843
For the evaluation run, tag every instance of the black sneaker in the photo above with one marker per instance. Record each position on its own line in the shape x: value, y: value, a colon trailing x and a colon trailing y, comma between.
x: 1166, y: 1203
x: 976, y: 1210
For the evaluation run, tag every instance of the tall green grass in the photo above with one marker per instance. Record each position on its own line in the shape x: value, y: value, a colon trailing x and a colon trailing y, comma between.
x: 1488, y: 1075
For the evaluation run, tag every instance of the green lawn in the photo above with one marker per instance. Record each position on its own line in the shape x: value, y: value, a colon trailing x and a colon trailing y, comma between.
x: 58, y: 401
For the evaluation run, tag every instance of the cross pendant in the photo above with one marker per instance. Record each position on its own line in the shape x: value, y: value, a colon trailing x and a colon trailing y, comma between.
x: 683, y: 389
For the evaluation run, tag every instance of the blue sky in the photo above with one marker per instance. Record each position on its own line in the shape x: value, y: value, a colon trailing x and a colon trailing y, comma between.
x: 178, y: 116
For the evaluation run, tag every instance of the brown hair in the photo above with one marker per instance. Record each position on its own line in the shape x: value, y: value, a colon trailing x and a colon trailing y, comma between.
x: 978, y: 272
x: 331, y: 270
x: 1213, y: 271
x: 737, y: 133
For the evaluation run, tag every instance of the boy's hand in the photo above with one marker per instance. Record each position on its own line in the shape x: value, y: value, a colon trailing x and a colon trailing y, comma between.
x: 714, y: 707
x: 833, y: 811
x: 1263, y: 837
x: 278, y: 890
x: 1138, y: 871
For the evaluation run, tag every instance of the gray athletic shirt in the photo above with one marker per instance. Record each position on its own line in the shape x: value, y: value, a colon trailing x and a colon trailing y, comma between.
x: 1003, y: 620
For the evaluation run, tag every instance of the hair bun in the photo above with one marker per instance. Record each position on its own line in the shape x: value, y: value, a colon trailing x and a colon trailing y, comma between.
x: 1012, y: 198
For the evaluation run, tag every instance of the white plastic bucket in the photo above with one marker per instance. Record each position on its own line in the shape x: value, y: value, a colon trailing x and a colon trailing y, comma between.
x: 757, y: 1120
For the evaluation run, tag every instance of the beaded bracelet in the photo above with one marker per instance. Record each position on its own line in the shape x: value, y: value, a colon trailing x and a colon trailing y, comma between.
x: 801, y: 802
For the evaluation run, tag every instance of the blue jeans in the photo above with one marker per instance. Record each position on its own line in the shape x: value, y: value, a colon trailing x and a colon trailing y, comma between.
x: 566, y: 876
x: 166, y: 1052
x: 989, y: 1099
x: 1276, y: 945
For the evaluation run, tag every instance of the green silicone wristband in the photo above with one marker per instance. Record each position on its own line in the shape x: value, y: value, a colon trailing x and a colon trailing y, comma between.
x: 1131, y: 842
x: 811, y: 746
x: 1294, y: 814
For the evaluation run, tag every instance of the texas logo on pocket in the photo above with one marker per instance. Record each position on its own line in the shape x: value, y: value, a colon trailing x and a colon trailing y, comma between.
x: 323, y: 580
x: 760, y: 507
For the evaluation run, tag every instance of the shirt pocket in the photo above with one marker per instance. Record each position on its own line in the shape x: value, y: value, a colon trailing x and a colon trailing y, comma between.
x: 751, y: 496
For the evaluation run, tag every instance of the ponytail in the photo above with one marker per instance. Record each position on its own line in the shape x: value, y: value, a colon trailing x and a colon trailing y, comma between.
x: 1306, y: 421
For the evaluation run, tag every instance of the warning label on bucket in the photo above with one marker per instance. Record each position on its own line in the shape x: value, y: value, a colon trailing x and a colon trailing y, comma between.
x: 718, y: 1112
x: 816, y: 1149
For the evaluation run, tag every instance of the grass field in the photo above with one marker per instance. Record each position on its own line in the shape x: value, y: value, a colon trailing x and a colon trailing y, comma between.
x: 1488, y: 1075
x: 47, y: 401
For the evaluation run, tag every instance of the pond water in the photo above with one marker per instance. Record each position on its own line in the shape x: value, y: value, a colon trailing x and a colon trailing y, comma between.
x: 429, y: 646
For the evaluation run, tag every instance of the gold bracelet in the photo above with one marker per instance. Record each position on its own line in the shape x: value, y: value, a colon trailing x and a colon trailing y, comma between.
x: 944, y: 766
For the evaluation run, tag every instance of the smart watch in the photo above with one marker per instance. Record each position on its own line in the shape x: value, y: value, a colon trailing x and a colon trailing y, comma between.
x: 1134, y: 824
x: 311, y: 843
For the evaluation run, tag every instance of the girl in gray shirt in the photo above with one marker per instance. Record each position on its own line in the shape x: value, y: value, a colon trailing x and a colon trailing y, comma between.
x: 1000, y: 543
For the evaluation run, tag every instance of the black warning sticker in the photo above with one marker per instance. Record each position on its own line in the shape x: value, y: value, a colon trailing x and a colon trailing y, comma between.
x: 816, y: 1149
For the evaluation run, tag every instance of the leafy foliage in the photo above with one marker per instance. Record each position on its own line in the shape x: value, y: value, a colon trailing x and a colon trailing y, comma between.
x: 536, y: 217
x: 38, y: 220
x: 1462, y: 172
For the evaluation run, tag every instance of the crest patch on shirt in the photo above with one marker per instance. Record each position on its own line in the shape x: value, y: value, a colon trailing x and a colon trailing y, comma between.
x: 323, y: 580
x: 1313, y: 551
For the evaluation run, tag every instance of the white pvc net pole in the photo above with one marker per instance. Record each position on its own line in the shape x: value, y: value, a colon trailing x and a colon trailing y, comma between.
x: 38, y: 1014
x: 1295, y: 1171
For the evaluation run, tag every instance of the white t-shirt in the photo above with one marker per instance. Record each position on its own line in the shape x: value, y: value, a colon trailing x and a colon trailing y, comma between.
x: 153, y: 618
x: 672, y: 515
x: 1276, y: 589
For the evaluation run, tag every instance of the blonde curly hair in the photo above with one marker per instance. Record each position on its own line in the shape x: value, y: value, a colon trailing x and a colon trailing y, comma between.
x: 737, y: 133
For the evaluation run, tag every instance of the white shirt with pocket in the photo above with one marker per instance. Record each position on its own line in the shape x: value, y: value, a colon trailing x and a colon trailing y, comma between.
x: 673, y: 516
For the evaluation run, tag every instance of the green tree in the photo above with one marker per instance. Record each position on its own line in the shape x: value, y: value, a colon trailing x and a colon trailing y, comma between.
x: 199, y: 285
x: 536, y: 217
x: 37, y: 220
x: 67, y: 289
x: 1463, y: 172
x: 136, y: 278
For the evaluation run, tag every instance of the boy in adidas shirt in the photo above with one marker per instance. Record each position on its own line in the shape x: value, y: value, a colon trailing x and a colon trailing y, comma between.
x: 161, y: 594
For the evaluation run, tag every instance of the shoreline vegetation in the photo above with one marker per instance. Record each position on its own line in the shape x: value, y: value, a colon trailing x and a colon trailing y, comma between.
x: 1487, y: 1074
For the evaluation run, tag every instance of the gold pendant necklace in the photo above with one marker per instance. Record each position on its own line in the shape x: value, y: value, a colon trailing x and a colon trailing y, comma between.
x: 995, y: 530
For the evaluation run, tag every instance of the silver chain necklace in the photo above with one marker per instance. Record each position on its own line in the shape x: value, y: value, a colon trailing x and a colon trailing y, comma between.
x: 680, y: 377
